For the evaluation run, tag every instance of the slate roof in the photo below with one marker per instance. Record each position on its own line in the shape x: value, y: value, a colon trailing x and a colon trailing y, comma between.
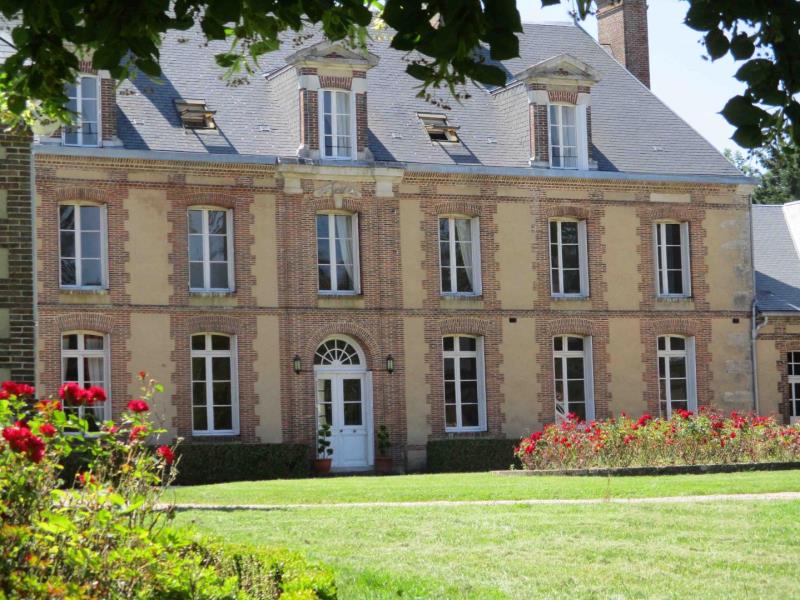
x: 632, y: 130
x: 776, y: 256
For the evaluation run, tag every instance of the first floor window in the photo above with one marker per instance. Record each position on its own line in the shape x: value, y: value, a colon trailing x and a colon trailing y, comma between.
x: 572, y: 370
x: 459, y: 255
x: 83, y: 102
x: 210, y: 250
x: 84, y: 360
x: 82, y: 245
x: 793, y: 362
x: 672, y: 259
x: 336, y: 124
x: 676, y: 374
x: 563, y: 136
x: 569, y: 272
x: 337, y: 253
x: 464, y: 391
x: 214, y: 385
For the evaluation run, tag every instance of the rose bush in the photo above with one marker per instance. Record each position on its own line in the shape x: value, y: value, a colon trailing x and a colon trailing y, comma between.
x: 103, y: 534
x: 686, y: 439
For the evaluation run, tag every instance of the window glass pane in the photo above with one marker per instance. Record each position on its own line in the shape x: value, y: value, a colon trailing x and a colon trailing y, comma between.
x: 326, y: 102
x: 344, y: 281
x: 91, y: 273
x: 323, y: 252
x: 449, y: 369
x: 219, y: 276
x: 469, y: 368
x: 448, y: 343
x: 568, y: 116
x: 572, y: 281
x: 464, y: 280
x: 662, y: 343
x: 467, y: 344
x: 662, y: 367
x: 217, y: 222
x: 444, y: 253
x: 569, y: 232
x: 93, y: 342
x: 70, y: 366
x: 199, y: 418
x: 469, y: 392
x: 570, y: 255
x: 352, y: 413
x: 673, y: 234
x: 222, y: 393
x: 195, y: 221
x: 677, y: 343
x: 322, y: 226
x: 675, y: 282
x: 223, y: 418
x: 67, y: 216
x: 673, y: 257
x: 558, y: 367
x: 324, y: 277
x: 677, y: 366
x: 89, y: 139
x: 450, y: 415
x: 198, y: 368
x: 677, y: 388
x: 554, y: 281
x: 463, y: 254
x: 558, y: 343
x: 469, y: 415
x: 575, y: 343
x: 449, y: 392
x: 69, y: 342
x: 196, y: 275
x: 90, y: 244
x: 90, y: 218
x: 574, y: 368
x: 199, y: 342
x: 463, y: 230
x: 447, y: 286
x: 220, y: 368
x: 67, y: 243
x: 444, y: 230
x: 220, y: 342
x: 88, y: 87
x: 68, y: 274
x: 575, y: 391
x: 579, y: 408
x: 70, y: 136
x: 218, y: 247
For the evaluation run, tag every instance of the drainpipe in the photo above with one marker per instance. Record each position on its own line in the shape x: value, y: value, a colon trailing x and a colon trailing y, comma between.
x: 754, y: 341
x: 34, y: 275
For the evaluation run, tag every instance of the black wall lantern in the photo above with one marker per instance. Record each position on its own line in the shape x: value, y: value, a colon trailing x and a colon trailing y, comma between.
x: 390, y: 363
x: 296, y: 364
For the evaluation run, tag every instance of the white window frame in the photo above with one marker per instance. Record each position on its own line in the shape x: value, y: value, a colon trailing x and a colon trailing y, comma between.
x: 793, y: 378
x: 80, y: 353
x: 691, y: 371
x: 332, y: 252
x: 79, y: 247
x: 232, y: 354
x: 583, y: 258
x: 456, y: 354
x: 581, y: 135
x: 660, y: 253
x: 78, y: 117
x: 207, y: 249
x: 475, y: 241
x: 334, y: 133
x: 588, y: 375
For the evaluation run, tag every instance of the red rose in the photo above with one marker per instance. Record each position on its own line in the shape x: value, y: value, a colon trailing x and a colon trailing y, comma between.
x: 4, y: 395
x: 733, y: 435
x: 137, y: 432
x: 166, y: 453
x: 644, y: 419
x: 47, y: 430
x: 72, y: 393
x: 21, y: 439
x: 23, y: 389
x: 85, y: 479
x: 138, y: 406
x: 142, y: 374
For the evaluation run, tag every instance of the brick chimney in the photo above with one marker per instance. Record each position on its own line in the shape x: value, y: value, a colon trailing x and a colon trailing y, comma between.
x: 622, y: 29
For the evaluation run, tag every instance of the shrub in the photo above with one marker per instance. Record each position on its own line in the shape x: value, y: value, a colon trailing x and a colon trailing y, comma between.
x: 105, y: 536
x: 470, y: 454
x: 685, y: 439
x: 220, y: 463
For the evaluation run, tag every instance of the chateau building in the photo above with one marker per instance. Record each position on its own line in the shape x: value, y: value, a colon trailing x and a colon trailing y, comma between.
x: 317, y: 244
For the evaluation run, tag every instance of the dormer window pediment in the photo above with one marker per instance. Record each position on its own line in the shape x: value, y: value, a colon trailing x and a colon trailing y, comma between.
x: 562, y: 69
x: 327, y: 53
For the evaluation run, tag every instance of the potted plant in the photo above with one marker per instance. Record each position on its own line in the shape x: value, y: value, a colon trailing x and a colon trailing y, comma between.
x: 322, y: 465
x: 383, y: 462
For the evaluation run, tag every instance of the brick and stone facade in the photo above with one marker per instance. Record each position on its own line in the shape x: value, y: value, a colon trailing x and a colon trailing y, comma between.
x: 16, y: 257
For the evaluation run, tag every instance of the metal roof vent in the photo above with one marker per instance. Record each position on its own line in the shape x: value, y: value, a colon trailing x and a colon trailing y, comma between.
x: 195, y: 114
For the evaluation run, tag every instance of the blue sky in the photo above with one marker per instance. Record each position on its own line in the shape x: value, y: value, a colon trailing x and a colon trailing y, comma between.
x: 696, y: 89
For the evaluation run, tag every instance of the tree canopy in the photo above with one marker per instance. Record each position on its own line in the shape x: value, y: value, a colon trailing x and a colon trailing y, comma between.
x: 49, y: 38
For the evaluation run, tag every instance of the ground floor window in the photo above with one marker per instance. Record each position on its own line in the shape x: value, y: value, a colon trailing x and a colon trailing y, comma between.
x: 464, y: 391
x: 215, y: 406
x: 572, y: 372
x: 676, y: 374
x: 84, y: 360
x: 793, y: 362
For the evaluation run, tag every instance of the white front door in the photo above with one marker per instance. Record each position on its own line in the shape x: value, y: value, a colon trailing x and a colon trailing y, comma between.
x: 344, y: 401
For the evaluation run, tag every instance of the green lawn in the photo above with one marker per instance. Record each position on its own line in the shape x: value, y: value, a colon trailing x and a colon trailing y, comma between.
x: 725, y: 550
x: 480, y: 486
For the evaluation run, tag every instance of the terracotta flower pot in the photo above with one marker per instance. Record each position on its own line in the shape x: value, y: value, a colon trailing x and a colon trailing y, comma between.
x: 322, y: 466
x: 383, y: 465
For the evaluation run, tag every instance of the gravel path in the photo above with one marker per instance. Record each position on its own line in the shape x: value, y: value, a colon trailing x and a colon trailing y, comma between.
x: 533, y: 502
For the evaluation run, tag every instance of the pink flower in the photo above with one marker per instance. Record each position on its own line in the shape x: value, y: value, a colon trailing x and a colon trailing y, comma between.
x: 138, y: 406
x: 166, y: 453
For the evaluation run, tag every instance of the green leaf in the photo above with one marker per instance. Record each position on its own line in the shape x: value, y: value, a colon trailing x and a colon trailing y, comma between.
x: 748, y: 137
x: 488, y: 74
x: 741, y: 111
x: 742, y: 47
x: 717, y: 44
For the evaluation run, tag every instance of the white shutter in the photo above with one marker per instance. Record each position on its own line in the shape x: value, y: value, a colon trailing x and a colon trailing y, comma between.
x: 229, y: 231
x: 656, y: 251
x: 369, y: 420
x: 583, y: 137
x: 691, y: 374
x: 588, y: 377
x: 356, y: 256
x: 686, y: 267
x: 476, y: 256
x: 481, y: 384
x: 103, y: 249
x: 583, y: 258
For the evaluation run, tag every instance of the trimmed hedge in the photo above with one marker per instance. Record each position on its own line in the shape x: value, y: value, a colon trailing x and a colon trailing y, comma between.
x: 471, y: 454
x: 220, y: 463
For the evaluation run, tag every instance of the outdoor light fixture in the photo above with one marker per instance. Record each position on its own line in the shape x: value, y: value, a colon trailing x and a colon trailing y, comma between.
x: 296, y: 364
x: 390, y: 363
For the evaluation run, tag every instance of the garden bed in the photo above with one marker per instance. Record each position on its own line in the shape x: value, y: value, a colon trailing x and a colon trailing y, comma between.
x: 661, y: 470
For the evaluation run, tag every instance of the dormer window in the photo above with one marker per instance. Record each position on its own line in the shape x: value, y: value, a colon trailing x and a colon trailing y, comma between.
x: 84, y: 102
x: 438, y: 128
x: 337, y: 124
x: 194, y: 114
x: 563, y: 136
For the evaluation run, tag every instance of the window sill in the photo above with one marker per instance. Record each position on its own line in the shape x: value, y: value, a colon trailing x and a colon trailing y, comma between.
x: 674, y: 298
x: 339, y: 294
x: 211, y: 293
x: 212, y: 436
x: 567, y: 298
x: 468, y: 432
x: 463, y: 296
x: 83, y: 291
